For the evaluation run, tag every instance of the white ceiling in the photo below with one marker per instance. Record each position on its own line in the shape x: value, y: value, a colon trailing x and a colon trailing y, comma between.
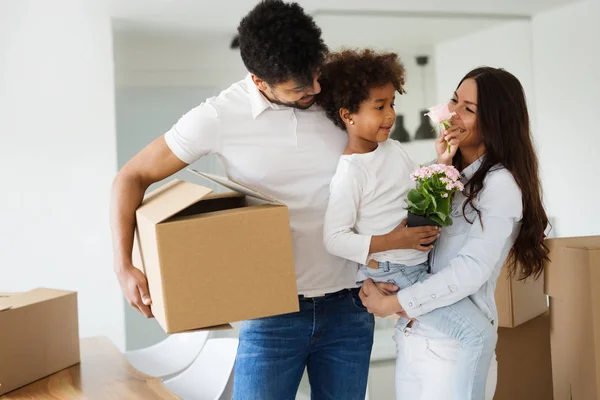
x: 222, y: 16
x: 409, y: 34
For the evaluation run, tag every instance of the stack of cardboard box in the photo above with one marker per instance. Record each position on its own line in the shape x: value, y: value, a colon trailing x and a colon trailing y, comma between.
x: 524, y: 364
x: 556, y: 355
x: 523, y: 350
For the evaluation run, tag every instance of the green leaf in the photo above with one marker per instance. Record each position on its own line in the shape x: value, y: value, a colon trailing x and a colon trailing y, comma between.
x: 414, y: 196
x: 443, y: 205
x: 440, y: 215
x: 411, y: 206
x: 417, y: 200
x: 435, y: 218
x: 427, y: 185
x: 433, y: 201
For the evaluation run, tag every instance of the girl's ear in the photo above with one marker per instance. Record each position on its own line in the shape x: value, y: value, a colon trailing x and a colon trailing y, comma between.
x: 346, y: 116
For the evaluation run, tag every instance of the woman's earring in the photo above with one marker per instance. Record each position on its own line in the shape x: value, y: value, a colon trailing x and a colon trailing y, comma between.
x: 351, y: 122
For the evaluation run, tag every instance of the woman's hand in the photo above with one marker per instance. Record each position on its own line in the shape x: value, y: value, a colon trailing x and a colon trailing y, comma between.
x: 386, y: 287
x: 379, y: 301
x: 445, y: 139
x: 403, y: 314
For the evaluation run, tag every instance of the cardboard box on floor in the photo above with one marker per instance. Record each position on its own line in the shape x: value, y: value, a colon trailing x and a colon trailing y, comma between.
x: 39, y: 335
x: 524, y: 362
x: 572, y: 280
x: 519, y: 301
x: 212, y: 259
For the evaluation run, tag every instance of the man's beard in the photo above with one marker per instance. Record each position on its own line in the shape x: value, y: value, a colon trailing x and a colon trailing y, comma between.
x: 294, y: 104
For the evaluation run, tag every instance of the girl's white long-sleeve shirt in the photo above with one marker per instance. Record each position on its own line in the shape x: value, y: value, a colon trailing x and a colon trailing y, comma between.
x: 366, y: 199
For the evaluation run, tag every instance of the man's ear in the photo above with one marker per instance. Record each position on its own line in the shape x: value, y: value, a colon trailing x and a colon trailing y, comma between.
x: 260, y: 84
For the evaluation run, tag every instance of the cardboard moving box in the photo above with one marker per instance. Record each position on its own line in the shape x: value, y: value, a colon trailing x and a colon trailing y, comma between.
x: 212, y: 259
x: 572, y: 280
x: 39, y: 335
x: 524, y: 362
x: 519, y: 301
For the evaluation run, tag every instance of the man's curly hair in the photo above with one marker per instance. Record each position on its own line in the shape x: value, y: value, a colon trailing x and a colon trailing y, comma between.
x: 279, y: 42
x: 349, y: 75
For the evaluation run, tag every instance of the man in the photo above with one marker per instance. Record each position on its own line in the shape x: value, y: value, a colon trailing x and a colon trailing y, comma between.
x: 270, y: 137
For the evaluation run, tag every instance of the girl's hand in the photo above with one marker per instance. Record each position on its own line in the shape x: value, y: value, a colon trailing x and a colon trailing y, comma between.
x: 418, y: 237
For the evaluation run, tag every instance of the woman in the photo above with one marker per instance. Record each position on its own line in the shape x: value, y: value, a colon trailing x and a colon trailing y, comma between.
x: 499, y: 216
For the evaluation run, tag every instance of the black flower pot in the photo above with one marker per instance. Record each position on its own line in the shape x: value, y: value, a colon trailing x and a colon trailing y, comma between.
x: 418, y: 220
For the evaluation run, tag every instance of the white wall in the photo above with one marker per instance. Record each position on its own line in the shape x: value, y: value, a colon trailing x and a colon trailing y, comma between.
x: 155, y: 60
x: 151, y: 60
x: 58, y: 156
x: 557, y: 58
x: 505, y: 46
x: 566, y: 55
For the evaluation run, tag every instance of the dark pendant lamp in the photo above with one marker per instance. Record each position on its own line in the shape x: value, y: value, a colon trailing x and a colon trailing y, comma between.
x: 425, y: 129
x: 400, y: 133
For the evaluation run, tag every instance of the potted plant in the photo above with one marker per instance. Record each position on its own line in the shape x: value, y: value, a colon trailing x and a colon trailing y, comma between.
x: 430, y: 203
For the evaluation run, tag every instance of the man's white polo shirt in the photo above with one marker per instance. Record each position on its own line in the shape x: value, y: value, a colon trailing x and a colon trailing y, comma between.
x: 285, y: 153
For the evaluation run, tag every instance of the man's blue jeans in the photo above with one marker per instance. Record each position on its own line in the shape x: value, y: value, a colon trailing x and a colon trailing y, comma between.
x: 331, y: 336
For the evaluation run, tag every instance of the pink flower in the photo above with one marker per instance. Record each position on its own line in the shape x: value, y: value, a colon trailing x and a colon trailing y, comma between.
x: 447, y: 174
x: 440, y: 113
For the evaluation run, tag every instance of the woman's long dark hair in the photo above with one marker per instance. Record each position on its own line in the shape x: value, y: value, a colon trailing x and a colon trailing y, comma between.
x: 503, y: 122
